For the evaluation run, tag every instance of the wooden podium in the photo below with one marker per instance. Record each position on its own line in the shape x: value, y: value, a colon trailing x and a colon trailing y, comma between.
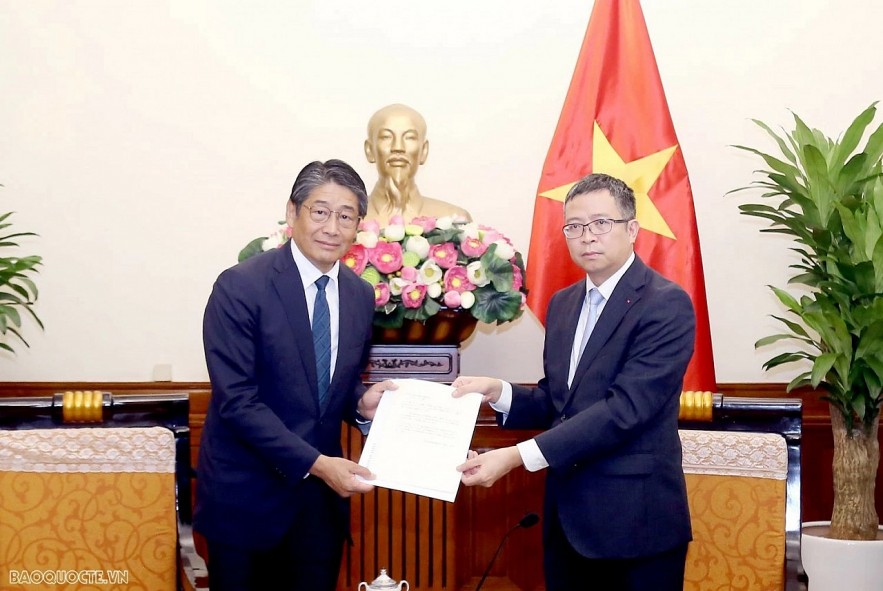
x: 435, y: 545
x: 437, y: 363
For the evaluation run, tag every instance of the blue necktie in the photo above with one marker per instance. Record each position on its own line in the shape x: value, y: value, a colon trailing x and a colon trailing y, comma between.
x: 594, y: 299
x: 322, y: 340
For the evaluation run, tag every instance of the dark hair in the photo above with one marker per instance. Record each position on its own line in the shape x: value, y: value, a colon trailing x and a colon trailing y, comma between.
x: 315, y: 174
x: 597, y: 181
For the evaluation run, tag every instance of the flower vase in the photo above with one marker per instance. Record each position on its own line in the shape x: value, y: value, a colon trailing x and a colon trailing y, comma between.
x: 446, y: 327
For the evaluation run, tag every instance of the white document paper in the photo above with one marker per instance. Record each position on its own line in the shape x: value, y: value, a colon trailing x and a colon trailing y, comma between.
x: 420, y: 434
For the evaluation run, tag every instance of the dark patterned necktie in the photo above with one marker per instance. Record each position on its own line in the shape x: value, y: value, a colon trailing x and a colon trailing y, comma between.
x: 322, y: 340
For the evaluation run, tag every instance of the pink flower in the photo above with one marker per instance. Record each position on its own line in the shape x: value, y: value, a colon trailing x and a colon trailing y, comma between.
x: 386, y: 256
x: 490, y: 235
x: 381, y: 294
x: 409, y: 274
x: 456, y: 280
x: 356, y: 258
x: 413, y: 295
x: 473, y: 247
x: 396, y: 220
x: 452, y: 299
x: 445, y: 255
x: 517, y: 278
x: 425, y: 222
x: 370, y: 226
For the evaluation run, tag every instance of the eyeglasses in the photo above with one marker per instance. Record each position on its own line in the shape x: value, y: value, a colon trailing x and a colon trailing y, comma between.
x: 320, y: 215
x: 596, y: 227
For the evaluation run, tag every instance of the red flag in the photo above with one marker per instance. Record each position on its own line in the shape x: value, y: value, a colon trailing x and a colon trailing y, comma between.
x: 616, y: 120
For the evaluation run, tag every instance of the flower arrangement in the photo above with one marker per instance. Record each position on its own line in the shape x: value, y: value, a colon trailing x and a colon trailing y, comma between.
x: 429, y: 264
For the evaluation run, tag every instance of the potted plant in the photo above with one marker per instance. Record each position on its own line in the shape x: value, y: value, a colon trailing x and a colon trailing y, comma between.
x: 827, y: 194
x: 17, y: 291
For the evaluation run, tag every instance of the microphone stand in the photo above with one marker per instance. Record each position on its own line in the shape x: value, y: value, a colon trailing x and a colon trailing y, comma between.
x: 527, y: 521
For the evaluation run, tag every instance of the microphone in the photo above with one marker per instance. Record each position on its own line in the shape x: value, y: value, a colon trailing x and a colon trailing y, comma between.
x: 529, y: 520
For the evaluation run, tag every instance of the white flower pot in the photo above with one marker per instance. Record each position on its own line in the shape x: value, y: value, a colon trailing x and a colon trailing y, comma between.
x: 840, y: 565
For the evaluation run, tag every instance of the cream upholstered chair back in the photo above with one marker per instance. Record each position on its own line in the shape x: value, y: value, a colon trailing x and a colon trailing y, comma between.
x: 741, y: 459
x: 94, y: 493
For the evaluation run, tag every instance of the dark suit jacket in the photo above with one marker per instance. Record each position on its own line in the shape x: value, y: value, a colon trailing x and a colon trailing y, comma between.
x: 612, y: 444
x: 264, y: 430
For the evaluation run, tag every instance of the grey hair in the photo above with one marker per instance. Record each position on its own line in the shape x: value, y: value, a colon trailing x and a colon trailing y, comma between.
x: 315, y: 174
x: 597, y: 181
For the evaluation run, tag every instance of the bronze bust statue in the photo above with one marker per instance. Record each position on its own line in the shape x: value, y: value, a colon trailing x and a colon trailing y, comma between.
x: 397, y: 144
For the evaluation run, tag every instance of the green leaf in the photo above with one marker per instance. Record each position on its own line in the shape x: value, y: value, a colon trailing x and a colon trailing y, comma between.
x: 498, y: 270
x: 491, y: 304
x: 394, y: 318
x: 784, y: 358
x: 786, y: 298
x: 853, y: 135
x: 253, y: 248
x: 10, y: 313
x: 782, y: 145
x: 771, y: 339
x: 821, y: 367
x: 771, y: 161
x: 798, y: 382
x: 795, y: 328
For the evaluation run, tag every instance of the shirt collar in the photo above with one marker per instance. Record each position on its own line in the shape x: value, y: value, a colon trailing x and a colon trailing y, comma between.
x: 308, y: 271
x: 606, y: 288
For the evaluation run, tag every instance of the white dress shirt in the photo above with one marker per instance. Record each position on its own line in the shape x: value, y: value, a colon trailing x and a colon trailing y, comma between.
x: 530, y: 452
x: 308, y: 275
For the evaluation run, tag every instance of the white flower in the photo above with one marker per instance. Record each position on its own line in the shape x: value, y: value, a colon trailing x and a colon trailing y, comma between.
x: 394, y: 233
x: 434, y: 290
x: 504, y: 250
x: 470, y: 230
x: 430, y: 273
x: 274, y: 240
x: 396, y: 285
x: 476, y: 274
x: 444, y: 222
x: 467, y: 299
x: 418, y: 245
x: 367, y: 239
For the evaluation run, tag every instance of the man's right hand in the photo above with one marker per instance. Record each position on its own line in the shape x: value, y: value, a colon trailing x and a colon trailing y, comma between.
x: 340, y: 474
x: 490, y: 388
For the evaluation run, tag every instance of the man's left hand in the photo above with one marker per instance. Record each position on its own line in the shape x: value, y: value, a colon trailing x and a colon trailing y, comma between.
x: 371, y: 398
x: 485, y: 469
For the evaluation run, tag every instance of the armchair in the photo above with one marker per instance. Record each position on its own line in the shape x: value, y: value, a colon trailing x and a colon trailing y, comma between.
x: 95, y: 490
x: 742, y: 464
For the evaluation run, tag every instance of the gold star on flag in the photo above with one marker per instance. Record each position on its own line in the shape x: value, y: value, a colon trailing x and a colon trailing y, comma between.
x: 638, y: 174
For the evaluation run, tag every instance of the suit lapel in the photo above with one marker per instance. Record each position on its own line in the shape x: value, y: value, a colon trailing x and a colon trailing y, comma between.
x: 561, y: 343
x: 626, y: 294
x: 290, y: 289
x: 348, y: 338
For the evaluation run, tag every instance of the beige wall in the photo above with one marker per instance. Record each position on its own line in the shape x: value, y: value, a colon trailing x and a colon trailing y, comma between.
x: 148, y: 141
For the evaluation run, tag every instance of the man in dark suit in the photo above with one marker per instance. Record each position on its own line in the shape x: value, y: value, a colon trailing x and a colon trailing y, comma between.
x: 286, y: 336
x: 617, y: 346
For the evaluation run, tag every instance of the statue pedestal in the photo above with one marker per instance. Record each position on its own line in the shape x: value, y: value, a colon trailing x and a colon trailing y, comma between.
x: 436, y: 363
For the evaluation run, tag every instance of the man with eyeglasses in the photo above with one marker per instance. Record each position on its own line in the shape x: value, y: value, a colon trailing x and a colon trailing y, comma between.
x: 617, y: 347
x: 286, y: 337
